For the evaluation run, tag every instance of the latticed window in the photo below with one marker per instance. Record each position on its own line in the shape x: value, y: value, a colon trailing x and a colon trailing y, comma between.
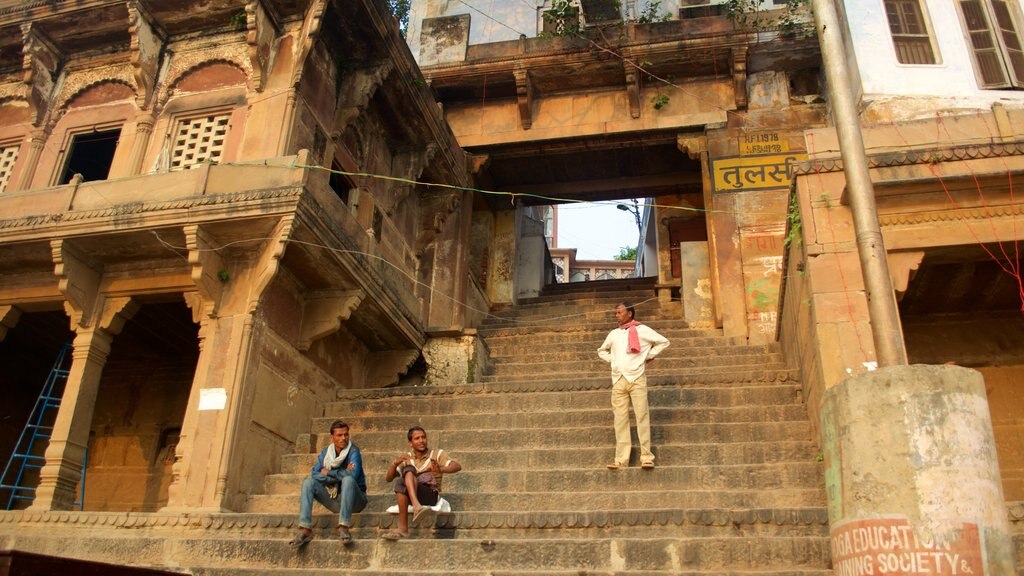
x: 8, y: 154
x: 995, y: 40
x: 198, y: 140
x: 910, y: 35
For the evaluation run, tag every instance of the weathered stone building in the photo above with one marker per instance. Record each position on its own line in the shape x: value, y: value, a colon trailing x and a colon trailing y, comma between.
x: 164, y: 190
x: 191, y: 195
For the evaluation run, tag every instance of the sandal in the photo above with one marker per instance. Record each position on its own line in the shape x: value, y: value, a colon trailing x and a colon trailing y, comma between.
x: 394, y: 535
x: 300, y: 540
x: 344, y: 535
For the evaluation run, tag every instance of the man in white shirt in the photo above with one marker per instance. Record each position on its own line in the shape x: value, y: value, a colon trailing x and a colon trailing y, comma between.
x: 629, y: 348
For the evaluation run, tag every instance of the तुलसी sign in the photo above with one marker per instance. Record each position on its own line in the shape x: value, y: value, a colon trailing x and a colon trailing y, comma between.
x: 744, y: 173
x: 892, y: 546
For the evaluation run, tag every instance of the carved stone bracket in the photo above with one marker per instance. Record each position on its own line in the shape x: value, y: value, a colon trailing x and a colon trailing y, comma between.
x: 409, y: 165
x: 147, y: 42
x: 524, y: 95
x: 310, y: 28
x: 632, y: 84
x: 270, y: 259
x: 475, y: 163
x: 692, y: 146
x: 323, y: 313
x: 902, y: 267
x: 739, y: 75
x: 262, y: 31
x: 206, y: 265
x: 78, y: 280
x: 115, y: 312
x: 356, y: 92
x: 388, y: 365
x: 9, y: 316
x: 40, y: 61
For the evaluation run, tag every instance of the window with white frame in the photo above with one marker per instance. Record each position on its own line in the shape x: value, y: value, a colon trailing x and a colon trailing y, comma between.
x: 8, y: 154
x: 910, y: 32
x: 993, y: 28
x: 199, y: 139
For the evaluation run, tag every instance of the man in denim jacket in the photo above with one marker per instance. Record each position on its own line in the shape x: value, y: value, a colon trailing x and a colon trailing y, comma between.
x: 336, y: 481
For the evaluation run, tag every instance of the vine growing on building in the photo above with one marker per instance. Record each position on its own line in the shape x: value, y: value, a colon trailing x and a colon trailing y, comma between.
x: 794, y: 20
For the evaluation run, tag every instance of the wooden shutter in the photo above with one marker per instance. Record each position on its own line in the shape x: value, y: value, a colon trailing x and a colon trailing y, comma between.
x: 1009, y: 35
x: 995, y: 41
x: 909, y: 33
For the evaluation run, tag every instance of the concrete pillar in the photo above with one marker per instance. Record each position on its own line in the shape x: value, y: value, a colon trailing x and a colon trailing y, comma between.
x: 912, y: 477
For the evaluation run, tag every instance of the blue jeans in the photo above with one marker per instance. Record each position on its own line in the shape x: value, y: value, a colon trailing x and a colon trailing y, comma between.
x: 350, y: 499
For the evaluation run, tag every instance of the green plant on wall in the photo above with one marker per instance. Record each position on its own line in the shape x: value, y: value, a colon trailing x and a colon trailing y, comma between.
x: 794, y: 19
x: 795, y: 227
x: 652, y: 13
x: 563, y: 19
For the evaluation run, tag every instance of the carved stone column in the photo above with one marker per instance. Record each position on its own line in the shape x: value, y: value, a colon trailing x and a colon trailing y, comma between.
x: 65, y: 455
x: 143, y: 131
x: 37, y: 139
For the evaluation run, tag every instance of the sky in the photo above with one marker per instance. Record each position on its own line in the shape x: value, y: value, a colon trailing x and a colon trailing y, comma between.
x: 597, y: 231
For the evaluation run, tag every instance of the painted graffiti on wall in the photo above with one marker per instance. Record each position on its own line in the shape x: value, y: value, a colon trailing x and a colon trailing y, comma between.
x: 892, y: 546
x: 762, y: 278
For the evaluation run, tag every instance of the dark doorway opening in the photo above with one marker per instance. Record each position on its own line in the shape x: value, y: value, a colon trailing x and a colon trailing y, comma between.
x: 91, y: 155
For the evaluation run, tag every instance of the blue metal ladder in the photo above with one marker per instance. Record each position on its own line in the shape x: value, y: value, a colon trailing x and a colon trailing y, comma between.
x: 28, y: 452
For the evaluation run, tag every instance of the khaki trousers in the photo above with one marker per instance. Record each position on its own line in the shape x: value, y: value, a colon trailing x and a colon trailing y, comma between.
x: 624, y: 392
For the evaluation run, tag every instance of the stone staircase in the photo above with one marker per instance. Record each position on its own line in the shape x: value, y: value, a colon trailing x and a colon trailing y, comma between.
x: 738, y: 489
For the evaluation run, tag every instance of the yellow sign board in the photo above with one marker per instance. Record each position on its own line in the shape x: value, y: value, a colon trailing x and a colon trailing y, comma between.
x: 756, y: 143
x: 743, y: 173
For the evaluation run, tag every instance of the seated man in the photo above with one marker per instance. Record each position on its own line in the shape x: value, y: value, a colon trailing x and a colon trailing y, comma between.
x: 417, y: 479
x: 336, y: 481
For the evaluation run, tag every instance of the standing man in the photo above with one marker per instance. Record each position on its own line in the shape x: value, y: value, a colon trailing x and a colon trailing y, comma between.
x: 629, y: 348
x: 416, y: 477
x: 336, y: 481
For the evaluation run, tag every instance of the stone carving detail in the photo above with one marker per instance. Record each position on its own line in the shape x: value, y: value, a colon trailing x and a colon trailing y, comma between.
x: 739, y: 75
x: 269, y: 260
x: 206, y: 266
x: 9, y: 316
x: 387, y: 366
x: 357, y: 90
x: 262, y: 31
x: 693, y: 146
x: 632, y: 85
x: 902, y: 267
x: 40, y: 60
x: 78, y: 81
x: 147, y: 42
x: 78, y: 280
x: 910, y: 157
x: 324, y: 312
x: 236, y: 54
x: 409, y: 165
x: 310, y: 29
x: 524, y: 96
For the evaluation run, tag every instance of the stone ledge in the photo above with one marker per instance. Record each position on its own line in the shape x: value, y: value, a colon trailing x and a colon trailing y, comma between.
x: 595, y: 383
x: 520, y: 520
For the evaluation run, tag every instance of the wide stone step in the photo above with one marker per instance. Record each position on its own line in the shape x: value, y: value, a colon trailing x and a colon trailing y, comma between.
x: 540, y: 329
x: 718, y: 375
x: 584, y: 311
x: 150, y: 547
x: 588, y: 350
x: 549, y: 396
x: 572, y: 418
x: 592, y: 480
x: 681, y: 338
x: 604, y: 502
x: 585, y: 437
x: 644, y: 303
x: 469, y: 572
x: 769, y: 452
x: 659, y: 366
